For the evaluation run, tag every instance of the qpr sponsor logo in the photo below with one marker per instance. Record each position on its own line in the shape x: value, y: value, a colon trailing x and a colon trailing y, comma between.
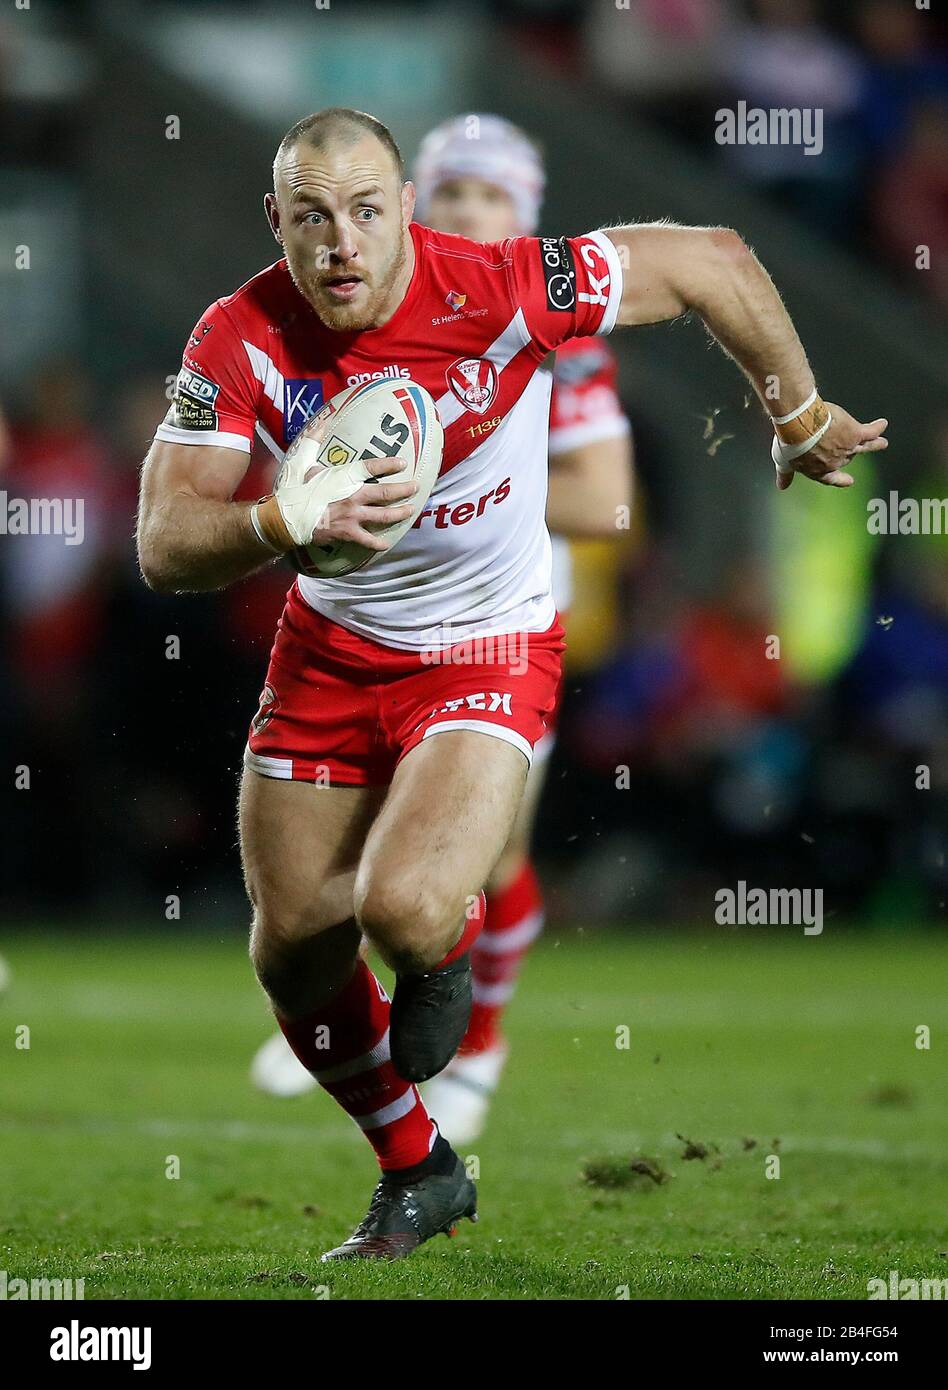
x: 474, y: 382
x: 559, y: 272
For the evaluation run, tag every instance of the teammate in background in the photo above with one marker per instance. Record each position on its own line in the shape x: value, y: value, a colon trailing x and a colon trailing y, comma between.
x: 481, y: 177
x: 427, y: 761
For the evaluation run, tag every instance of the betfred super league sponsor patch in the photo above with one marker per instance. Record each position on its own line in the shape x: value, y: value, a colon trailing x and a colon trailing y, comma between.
x: 193, y: 401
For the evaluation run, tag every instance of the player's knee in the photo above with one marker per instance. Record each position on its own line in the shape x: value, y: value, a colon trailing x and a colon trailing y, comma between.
x: 278, y: 931
x: 408, y: 923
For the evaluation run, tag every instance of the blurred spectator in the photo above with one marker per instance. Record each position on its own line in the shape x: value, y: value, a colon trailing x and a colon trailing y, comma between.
x: 910, y: 206
x: 784, y: 58
x: 659, y: 53
x: 694, y: 720
x: 904, y: 67
x: 55, y: 596
x: 56, y: 606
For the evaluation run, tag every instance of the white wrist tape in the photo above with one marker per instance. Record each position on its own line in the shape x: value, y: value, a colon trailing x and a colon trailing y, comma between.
x: 255, y: 523
x: 783, y: 455
x: 785, y: 419
x: 307, y: 485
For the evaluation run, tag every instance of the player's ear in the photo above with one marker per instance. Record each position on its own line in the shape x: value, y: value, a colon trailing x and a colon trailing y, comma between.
x: 408, y: 200
x: 273, y: 215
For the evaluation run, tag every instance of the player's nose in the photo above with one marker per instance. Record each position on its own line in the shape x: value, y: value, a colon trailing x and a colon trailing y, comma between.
x: 345, y: 249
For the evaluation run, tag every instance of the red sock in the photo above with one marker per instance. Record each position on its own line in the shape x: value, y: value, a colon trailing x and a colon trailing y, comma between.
x: 514, y: 920
x: 473, y: 922
x: 345, y: 1046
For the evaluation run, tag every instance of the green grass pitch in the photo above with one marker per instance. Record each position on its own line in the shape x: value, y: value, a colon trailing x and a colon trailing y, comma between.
x: 139, y: 1050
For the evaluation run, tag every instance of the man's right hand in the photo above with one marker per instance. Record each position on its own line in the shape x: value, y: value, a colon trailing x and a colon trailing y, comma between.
x: 286, y: 517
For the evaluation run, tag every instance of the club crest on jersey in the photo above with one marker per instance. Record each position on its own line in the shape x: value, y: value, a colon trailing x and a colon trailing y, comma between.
x: 302, y: 398
x: 200, y: 333
x: 474, y: 381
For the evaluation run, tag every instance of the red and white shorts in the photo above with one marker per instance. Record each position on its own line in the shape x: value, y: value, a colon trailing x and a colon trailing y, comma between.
x: 342, y: 710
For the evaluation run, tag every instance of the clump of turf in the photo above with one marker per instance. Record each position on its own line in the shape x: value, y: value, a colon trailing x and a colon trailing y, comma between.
x: 693, y: 1149
x: 617, y: 1172
x: 891, y: 1094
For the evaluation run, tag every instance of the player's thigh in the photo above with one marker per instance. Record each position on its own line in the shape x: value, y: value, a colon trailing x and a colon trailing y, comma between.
x: 300, y: 845
x: 518, y: 843
x: 444, y: 823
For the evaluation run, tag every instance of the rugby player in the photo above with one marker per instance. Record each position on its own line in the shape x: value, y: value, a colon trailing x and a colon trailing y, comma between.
x: 426, y: 761
x: 481, y: 177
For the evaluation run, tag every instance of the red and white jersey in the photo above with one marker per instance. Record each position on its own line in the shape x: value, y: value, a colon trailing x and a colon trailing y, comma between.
x: 586, y: 409
x: 475, y: 325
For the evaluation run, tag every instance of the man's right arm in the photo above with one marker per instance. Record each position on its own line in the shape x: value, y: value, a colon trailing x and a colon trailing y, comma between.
x: 191, y: 535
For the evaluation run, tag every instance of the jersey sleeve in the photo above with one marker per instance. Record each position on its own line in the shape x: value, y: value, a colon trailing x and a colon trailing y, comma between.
x: 585, y: 407
x: 215, y: 392
x: 565, y: 287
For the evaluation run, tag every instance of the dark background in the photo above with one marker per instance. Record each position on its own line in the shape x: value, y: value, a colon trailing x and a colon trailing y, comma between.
x: 801, y: 771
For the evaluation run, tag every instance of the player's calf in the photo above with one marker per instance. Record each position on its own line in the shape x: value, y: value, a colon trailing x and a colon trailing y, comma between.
x: 301, y: 971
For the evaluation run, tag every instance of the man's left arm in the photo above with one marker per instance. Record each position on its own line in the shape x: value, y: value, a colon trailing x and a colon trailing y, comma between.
x: 670, y: 270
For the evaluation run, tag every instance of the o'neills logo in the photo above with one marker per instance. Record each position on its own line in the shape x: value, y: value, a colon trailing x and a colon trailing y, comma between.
x: 390, y: 372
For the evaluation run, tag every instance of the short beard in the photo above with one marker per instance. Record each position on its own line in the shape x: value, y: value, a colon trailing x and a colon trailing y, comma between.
x: 347, y: 318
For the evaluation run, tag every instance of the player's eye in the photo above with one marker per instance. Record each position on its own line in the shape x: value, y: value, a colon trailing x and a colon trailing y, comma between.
x: 368, y: 214
x: 309, y: 216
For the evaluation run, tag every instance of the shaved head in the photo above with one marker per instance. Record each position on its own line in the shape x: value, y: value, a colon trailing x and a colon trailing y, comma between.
x: 342, y: 127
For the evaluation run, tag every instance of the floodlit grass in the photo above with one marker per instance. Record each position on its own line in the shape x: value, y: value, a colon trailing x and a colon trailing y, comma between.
x: 140, y: 1049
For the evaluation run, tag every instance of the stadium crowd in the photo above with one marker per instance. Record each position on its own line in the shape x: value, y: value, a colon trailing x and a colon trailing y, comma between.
x: 130, y: 710
x: 882, y: 169
x: 684, y: 756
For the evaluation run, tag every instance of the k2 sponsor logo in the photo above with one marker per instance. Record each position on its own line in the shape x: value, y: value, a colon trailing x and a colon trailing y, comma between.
x: 302, y: 399
x: 598, y: 276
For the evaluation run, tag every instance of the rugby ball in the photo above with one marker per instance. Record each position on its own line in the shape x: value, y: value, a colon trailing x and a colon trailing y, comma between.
x: 374, y: 420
